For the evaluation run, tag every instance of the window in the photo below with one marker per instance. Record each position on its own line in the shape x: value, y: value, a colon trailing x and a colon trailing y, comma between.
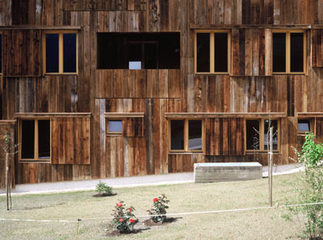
x: 212, y: 51
x: 186, y: 135
x: 60, y: 52
x: 138, y: 50
x: 305, y: 126
x: 114, y: 127
x: 34, y: 139
x: 0, y: 53
x: 257, y: 134
x: 289, y: 52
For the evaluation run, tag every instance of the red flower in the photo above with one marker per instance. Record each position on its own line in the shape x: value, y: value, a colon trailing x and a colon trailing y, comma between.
x: 129, y: 209
x: 155, y: 199
x: 119, y: 204
x: 131, y: 220
x: 121, y: 220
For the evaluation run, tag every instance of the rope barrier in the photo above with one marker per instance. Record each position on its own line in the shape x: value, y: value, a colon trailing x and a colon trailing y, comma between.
x: 168, y: 214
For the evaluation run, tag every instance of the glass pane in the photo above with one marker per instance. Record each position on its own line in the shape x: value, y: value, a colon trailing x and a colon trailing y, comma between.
x: 134, y: 54
x: 69, y: 52
x: 203, y: 52
x: 0, y: 54
x: 296, y: 52
x: 268, y: 124
x: 115, y: 126
x: 43, y: 139
x: 221, y: 52
x: 151, y: 56
x: 253, y: 141
x: 279, y: 52
x: 27, y: 139
x: 52, y: 53
x: 195, y: 135
x: 304, y: 125
x: 177, y: 134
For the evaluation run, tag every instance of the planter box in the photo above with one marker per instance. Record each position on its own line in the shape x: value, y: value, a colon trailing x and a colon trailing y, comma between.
x: 222, y: 172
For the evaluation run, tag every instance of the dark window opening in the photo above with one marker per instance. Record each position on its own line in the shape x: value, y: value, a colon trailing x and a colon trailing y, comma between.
x: 0, y: 54
x: 296, y: 52
x: 69, y: 52
x: 268, y: 124
x: 253, y: 139
x: 220, y: 52
x: 52, y: 50
x: 203, y: 52
x: 27, y: 139
x: 279, y: 52
x: 304, y: 125
x: 115, y: 126
x: 43, y: 139
x: 177, y: 134
x: 195, y: 135
x: 138, y: 50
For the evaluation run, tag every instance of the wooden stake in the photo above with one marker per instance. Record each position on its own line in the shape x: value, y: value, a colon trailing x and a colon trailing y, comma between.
x: 270, y: 170
x: 7, y: 179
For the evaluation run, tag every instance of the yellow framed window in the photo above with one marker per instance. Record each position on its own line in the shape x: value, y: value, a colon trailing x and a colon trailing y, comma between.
x: 186, y: 135
x: 257, y: 134
x: 60, y: 52
x: 289, y: 52
x: 114, y: 127
x: 212, y: 52
x: 34, y: 139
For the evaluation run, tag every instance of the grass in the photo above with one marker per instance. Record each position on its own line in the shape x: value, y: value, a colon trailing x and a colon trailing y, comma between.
x: 257, y: 224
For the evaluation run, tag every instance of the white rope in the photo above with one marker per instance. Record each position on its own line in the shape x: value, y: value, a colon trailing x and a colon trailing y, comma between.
x: 168, y: 214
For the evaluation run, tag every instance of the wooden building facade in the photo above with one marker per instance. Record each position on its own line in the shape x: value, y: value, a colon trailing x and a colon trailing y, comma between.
x: 98, y: 89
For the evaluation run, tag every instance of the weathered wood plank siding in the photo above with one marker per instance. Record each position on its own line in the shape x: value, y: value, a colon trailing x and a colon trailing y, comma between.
x: 250, y: 86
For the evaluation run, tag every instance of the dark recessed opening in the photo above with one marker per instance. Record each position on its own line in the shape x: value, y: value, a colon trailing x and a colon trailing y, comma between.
x: 253, y: 140
x: 0, y: 54
x: 203, y: 52
x: 195, y: 135
x: 177, y: 134
x: 138, y: 51
x: 43, y: 138
x: 296, y: 52
x: 279, y: 52
x: 27, y: 139
x: 268, y: 124
x: 69, y: 52
x: 220, y: 52
x: 52, y: 53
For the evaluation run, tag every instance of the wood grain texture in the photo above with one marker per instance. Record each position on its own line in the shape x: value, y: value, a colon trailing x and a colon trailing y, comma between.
x: 250, y: 89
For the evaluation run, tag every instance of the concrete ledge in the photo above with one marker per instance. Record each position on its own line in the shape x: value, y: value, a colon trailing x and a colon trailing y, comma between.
x: 222, y: 172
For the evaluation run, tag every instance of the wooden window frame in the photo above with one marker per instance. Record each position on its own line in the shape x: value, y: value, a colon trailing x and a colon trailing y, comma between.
x: 36, y: 145
x: 186, y: 136
x: 261, y: 135
x: 60, y: 53
x: 288, y: 51
x: 114, y: 133
x: 212, y: 66
x: 312, y: 127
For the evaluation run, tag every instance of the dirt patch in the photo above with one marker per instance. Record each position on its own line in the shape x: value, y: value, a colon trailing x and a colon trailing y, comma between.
x: 104, y: 195
x: 150, y: 222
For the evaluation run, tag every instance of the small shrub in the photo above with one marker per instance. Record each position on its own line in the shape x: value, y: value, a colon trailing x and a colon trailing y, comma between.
x: 310, y: 188
x: 103, y: 189
x: 124, y: 219
x: 159, y: 209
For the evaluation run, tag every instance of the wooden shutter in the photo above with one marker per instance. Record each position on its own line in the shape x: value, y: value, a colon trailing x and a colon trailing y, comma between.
x: 70, y: 140
x: 133, y: 127
x: 317, y: 52
x: 224, y: 136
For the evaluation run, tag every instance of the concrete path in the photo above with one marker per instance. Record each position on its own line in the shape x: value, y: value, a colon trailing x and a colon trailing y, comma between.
x: 151, y: 180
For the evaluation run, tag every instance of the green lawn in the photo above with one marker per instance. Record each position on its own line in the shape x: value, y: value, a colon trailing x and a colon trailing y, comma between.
x: 96, y: 212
